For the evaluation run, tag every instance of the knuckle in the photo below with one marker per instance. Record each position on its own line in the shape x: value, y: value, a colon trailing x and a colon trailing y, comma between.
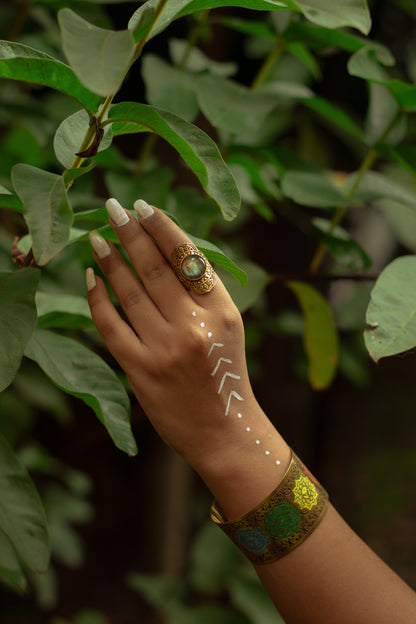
x: 155, y: 271
x: 131, y: 299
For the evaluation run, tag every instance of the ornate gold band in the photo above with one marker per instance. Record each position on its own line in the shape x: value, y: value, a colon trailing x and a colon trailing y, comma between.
x: 281, y: 522
x: 193, y: 269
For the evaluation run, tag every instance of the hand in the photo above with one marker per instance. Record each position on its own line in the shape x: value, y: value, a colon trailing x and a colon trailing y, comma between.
x: 183, y: 352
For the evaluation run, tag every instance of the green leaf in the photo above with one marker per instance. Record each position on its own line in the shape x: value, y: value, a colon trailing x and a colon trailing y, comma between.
x: 318, y: 37
x: 213, y: 559
x: 334, y: 114
x: 70, y: 135
x: 170, y: 88
x: 403, y: 155
x: 99, y: 57
x: 62, y: 311
x: 195, y: 147
x: 197, y: 61
x: 22, y: 517
x: 391, y: 313
x: 11, y: 572
x: 247, y: 296
x: 17, y: 319
x: 312, y: 188
x: 331, y: 14
x: 229, y: 105
x: 214, y: 254
x: 80, y: 372
x: 366, y: 63
x: 342, y: 247
x: 9, y: 200
x: 165, y: 593
x: 320, y: 335
x: 323, y: 12
x: 20, y: 62
x: 46, y: 209
x: 250, y: 598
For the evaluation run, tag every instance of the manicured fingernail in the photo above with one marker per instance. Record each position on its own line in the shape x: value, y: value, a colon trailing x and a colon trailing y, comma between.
x: 100, y: 246
x: 116, y: 212
x: 90, y: 278
x: 143, y: 209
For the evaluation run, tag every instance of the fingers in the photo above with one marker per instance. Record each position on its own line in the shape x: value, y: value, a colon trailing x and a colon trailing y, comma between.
x: 159, y: 282
x: 120, y: 339
x: 167, y: 236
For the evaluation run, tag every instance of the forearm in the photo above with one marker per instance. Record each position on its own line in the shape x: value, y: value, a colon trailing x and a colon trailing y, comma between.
x: 332, y: 576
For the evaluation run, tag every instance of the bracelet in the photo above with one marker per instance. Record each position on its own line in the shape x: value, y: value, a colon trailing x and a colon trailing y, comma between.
x: 282, y: 521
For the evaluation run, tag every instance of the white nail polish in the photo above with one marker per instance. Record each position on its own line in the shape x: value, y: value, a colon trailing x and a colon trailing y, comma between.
x: 90, y: 278
x: 143, y: 209
x: 100, y: 246
x: 116, y: 212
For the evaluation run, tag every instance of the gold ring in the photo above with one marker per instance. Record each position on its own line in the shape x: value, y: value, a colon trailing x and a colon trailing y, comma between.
x: 193, y: 269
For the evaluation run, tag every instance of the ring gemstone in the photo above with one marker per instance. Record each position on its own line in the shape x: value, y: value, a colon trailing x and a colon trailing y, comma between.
x: 193, y: 266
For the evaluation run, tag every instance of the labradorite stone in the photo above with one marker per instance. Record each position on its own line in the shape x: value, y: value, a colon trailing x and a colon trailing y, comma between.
x: 193, y: 266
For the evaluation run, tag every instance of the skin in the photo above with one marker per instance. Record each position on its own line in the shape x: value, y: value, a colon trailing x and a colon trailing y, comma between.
x: 332, y: 577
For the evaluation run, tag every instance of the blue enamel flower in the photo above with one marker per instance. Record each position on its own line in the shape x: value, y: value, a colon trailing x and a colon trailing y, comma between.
x: 253, y: 540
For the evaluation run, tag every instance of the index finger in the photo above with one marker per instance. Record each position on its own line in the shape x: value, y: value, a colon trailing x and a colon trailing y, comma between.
x: 167, y: 236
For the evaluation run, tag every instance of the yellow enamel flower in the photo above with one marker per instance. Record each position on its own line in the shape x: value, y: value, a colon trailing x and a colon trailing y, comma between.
x: 305, y: 493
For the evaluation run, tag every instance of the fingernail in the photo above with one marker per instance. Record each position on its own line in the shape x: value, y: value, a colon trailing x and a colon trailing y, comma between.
x: 90, y: 278
x: 143, y: 209
x: 116, y: 212
x: 100, y: 246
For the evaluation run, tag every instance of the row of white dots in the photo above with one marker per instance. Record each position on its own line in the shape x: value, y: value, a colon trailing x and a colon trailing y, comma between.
x: 239, y: 415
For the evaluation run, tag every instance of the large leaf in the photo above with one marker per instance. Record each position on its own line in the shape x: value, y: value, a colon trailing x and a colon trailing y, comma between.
x: 22, y: 517
x: 366, y: 63
x: 320, y: 335
x: 323, y: 12
x: 229, y: 106
x: 46, y: 209
x: 20, y: 62
x: 196, y: 148
x: 70, y: 135
x: 332, y: 14
x: 56, y: 310
x: 314, y: 189
x: 170, y: 88
x: 11, y: 572
x: 99, y: 57
x: 82, y: 373
x: 391, y: 313
x: 17, y: 319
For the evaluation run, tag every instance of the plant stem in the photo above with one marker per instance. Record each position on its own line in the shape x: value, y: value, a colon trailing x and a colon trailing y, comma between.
x: 270, y: 61
x: 89, y: 136
x: 152, y: 139
x: 366, y: 164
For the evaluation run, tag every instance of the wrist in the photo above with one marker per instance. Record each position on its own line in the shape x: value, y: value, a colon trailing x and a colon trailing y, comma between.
x: 248, y: 463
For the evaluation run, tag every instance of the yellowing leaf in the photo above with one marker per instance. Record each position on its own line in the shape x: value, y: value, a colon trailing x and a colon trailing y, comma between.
x: 320, y: 335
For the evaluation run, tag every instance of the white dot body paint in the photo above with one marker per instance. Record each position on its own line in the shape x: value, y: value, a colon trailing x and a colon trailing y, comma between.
x: 193, y: 313
x: 228, y: 374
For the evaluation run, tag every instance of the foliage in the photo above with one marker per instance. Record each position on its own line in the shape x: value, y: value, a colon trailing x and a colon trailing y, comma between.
x: 216, y: 569
x: 62, y: 145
